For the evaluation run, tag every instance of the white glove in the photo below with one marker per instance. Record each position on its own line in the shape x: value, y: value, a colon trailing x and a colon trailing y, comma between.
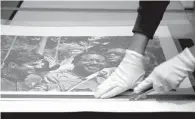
x: 169, y: 74
x: 126, y: 76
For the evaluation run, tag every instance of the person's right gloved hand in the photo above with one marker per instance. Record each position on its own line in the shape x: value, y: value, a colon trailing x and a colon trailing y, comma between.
x: 127, y: 75
x: 170, y: 74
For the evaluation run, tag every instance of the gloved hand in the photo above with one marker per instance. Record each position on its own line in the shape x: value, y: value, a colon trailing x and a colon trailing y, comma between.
x: 170, y: 74
x: 126, y: 76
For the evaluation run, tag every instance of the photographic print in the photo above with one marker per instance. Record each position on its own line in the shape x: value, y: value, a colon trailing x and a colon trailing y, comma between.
x: 82, y: 63
x: 60, y: 63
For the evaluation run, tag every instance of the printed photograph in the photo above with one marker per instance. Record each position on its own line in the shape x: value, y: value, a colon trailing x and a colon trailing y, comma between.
x: 66, y: 63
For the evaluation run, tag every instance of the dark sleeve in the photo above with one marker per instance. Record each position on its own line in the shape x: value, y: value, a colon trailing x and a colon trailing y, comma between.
x: 150, y: 13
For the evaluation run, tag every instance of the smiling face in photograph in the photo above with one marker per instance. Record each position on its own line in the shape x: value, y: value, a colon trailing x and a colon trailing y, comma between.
x: 91, y: 63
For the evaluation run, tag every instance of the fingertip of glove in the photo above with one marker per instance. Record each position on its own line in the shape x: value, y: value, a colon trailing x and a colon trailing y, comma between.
x: 136, y: 90
x: 103, y: 97
x: 97, y: 95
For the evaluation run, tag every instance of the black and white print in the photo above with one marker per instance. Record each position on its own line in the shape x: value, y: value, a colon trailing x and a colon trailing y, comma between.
x: 65, y: 63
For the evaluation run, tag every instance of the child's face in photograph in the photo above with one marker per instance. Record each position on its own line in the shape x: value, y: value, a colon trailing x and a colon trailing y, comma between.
x: 92, y: 63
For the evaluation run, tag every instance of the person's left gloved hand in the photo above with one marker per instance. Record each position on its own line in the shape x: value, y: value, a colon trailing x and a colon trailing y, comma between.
x: 170, y: 74
x: 129, y: 73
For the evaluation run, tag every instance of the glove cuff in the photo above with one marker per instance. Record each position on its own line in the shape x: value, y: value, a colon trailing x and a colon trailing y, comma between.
x: 135, y: 58
x: 188, y: 59
x: 134, y: 53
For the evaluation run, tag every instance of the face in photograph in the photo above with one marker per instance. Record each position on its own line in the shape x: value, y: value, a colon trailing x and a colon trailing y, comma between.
x: 91, y: 63
x: 21, y: 63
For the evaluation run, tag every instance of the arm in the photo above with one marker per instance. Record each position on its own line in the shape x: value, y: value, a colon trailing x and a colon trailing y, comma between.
x: 174, y: 71
x: 150, y: 14
x: 131, y: 69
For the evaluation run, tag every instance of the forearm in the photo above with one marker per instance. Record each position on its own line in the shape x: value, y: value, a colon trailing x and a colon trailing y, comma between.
x: 139, y: 43
x: 150, y: 13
